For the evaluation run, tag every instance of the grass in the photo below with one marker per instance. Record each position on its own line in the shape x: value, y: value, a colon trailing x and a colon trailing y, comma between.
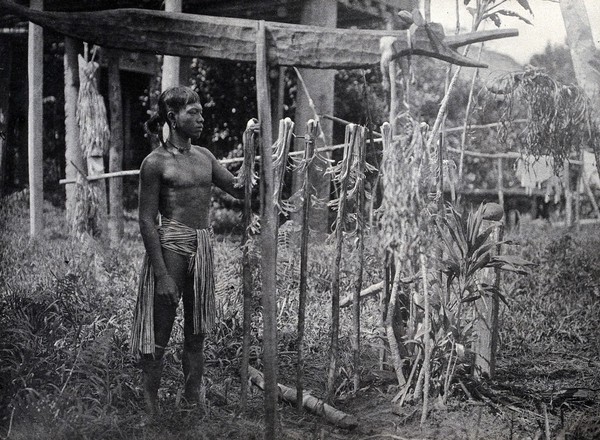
x: 66, y: 310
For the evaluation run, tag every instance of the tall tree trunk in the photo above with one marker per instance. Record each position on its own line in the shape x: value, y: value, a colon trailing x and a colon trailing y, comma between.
x: 6, y: 57
x: 320, y: 85
x: 115, y: 161
x: 73, y: 154
x: 584, y: 54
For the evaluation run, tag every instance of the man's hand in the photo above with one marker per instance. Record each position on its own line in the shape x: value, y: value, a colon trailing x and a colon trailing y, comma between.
x: 167, y: 288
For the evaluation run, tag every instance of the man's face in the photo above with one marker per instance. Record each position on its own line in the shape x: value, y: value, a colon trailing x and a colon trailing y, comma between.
x: 190, y: 121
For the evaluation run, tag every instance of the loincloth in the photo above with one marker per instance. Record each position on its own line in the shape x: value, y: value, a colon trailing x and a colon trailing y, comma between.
x: 195, y: 244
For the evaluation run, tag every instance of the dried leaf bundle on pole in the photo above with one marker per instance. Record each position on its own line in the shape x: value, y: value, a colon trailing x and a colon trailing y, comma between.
x: 408, y: 175
x: 90, y: 208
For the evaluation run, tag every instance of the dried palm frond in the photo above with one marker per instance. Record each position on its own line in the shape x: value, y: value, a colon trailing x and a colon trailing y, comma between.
x: 249, y: 144
x: 409, y: 173
x: 94, y: 132
x: 281, y: 150
x: 559, y: 117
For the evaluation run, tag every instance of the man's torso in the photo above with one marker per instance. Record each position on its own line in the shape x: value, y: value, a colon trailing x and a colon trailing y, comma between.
x: 185, y: 190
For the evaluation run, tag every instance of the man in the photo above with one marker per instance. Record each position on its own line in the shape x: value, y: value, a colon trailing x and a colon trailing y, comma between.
x: 175, y: 187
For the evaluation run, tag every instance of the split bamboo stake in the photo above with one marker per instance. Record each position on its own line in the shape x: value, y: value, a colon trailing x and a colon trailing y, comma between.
x: 427, y: 338
x: 389, y: 325
x: 268, y: 237
x: 346, y: 165
x: 360, y: 224
x: 249, y: 144
x: 312, y: 131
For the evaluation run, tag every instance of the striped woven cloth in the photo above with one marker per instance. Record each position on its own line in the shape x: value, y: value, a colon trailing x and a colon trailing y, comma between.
x: 195, y: 244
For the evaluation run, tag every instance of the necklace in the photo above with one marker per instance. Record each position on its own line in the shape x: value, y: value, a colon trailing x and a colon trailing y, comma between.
x: 180, y: 149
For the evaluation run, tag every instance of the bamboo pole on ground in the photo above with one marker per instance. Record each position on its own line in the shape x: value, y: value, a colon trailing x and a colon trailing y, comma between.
x: 312, y: 404
x: 35, y: 128
x: 115, y: 161
x: 268, y: 237
x: 346, y: 165
x: 249, y: 142
x: 312, y: 132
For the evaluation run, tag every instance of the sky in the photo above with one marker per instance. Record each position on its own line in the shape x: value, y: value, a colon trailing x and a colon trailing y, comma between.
x: 548, y: 26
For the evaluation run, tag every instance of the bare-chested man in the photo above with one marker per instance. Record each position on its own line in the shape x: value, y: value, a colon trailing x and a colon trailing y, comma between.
x: 174, y: 201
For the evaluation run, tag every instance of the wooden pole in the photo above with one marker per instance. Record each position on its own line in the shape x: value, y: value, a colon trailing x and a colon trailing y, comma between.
x: 347, y: 160
x: 361, y: 257
x: 568, y: 194
x: 73, y: 153
x: 486, y: 325
x: 393, y: 70
x: 249, y: 151
x: 268, y: 237
x: 312, y: 132
x: 590, y: 194
x: 500, y: 181
x: 115, y: 161
x: 5, y: 71
x: 171, y: 64
x: 35, y: 129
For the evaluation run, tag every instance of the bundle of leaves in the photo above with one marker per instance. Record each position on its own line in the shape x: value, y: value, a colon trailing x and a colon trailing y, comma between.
x: 560, y: 118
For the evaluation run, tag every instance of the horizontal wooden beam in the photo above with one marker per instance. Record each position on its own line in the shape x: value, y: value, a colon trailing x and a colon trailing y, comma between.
x: 234, y: 38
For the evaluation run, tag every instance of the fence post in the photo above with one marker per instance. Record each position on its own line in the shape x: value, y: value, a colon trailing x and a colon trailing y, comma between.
x: 487, y: 308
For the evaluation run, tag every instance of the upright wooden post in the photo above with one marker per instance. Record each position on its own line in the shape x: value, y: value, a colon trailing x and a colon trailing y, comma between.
x: 486, y: 325
x: 500, y: 169
x: 249, y: 142
x: 6, y: 57
x: 73, y: 153
x: 568, y: 194
x: 170, y: 68
x: 268, y: 237
x: 115, y: 161
x: 312, y: 130
x: 35, y: 129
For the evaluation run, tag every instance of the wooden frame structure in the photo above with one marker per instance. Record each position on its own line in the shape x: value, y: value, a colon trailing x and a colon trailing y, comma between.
x: 267, y: 44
